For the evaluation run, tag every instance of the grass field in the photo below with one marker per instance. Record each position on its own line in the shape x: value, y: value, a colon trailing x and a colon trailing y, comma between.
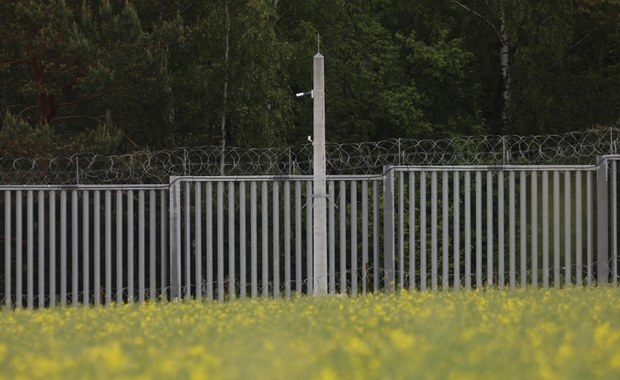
x: 524, y: 334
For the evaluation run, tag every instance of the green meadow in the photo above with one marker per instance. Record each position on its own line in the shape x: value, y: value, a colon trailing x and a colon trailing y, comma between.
x: 571, y: 333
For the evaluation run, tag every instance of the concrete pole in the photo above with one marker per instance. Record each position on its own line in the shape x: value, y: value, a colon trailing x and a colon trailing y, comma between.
x: 320, y: 193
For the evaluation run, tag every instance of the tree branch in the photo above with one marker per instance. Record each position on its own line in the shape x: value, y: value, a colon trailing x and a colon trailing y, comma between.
x: 130, y: 140
x: 472, y: 11
x: 576, y: 44
x: 6, y: 109
x: 26, y: 109
x: 15, y: 62
x: 77, y: 117
x: 87, y: 99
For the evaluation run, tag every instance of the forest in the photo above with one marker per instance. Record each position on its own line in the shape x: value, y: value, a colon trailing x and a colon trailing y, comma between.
x: 116, y: 76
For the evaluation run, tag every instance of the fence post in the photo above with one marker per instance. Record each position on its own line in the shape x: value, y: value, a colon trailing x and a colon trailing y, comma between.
x: 388, y: 228
x: 319, y: 178
x: 175, y: 238
x: 602, y: 221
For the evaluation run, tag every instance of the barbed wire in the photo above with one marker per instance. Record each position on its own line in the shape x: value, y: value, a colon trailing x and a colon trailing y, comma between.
x: 155, y: 167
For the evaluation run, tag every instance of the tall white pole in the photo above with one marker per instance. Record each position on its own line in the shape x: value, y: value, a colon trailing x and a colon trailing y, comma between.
x: 320, y: 193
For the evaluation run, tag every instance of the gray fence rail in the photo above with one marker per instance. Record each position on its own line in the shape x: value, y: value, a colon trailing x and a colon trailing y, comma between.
x: 220, y: 238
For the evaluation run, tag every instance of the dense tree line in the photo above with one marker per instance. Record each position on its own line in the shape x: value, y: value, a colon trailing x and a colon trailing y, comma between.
x: 119, y: 75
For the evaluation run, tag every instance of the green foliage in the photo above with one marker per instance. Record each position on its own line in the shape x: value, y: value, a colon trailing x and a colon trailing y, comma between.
x: 105, y: 139
x: 195, y: 72
x: 257, y: 108
x: 86, y: 63
x: 20, y: 139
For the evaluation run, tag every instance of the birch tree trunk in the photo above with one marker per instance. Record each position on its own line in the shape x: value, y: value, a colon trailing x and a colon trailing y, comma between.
x: 225, y: 89
x: 504, y: 59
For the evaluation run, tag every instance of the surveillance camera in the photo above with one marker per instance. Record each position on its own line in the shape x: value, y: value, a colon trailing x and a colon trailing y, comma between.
x: 300, y: 94
x: 310, y: 138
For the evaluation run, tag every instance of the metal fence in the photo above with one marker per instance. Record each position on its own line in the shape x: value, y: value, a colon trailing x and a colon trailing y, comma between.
x: 83, y: 244
x: 409, y: 227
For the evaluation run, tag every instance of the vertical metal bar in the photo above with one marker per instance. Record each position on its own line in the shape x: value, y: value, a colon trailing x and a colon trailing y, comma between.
x: 534, y: 233
x: 175, y: 238
x: 412, y: 231
x: 388, y: 228
x: 309, y: 239
x: 364, y: 236
x: 152, y: 245
x: 614, y: 223
x: 232, y: 286
x: 556, y: 228
x: 253, y: 240
x: 342, y: 232
x: 445, y: 189
x: 512, y: 228
x: 589, y: 228
x: 19, y: 251
x: 298, y: 238
x: 7, y: 249
x: 63, y: 246
x: 52, y: 248
x: 478, y: 229
x: 500, y: 230
x: 85, y: 247
x: 264, y: 241
x: 579, y: 230
x: 276, y: 238
x: 19, y: 270
x: 41, y: 265
x: 567, y: 229
x: 457, y: 231
x: 220, y: 241
x: 490, y: 281
x: 119, y: 246
x: 375, y: 235
x: 164, y: 232
x: 29, y: 249
x: 332, y: 237
x: 434, y: 257
x: 141, y: 245
x: 354, y: 238
x: 74, y: 251
x: 198, y: 239
x: 187, y: 273
x: 401, y: 230
x: 523, y: 228
x: 545, y: 228
x: 209, y: 216
x: 96, y: 246
x: 130, y: 246
x: 423, y: 273
x: 287, y: 239
x: 467, y: 230
x: 108, y: 243
x: 242, y: 241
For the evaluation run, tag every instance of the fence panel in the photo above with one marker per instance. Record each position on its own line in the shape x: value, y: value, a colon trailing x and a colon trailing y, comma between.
x: 278, y: 246
x: 78, y: 244
x: 222, y: 238
x: 460, y: 228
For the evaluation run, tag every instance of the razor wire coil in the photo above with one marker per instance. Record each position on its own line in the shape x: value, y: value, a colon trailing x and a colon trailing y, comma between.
x: 155, y: 167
